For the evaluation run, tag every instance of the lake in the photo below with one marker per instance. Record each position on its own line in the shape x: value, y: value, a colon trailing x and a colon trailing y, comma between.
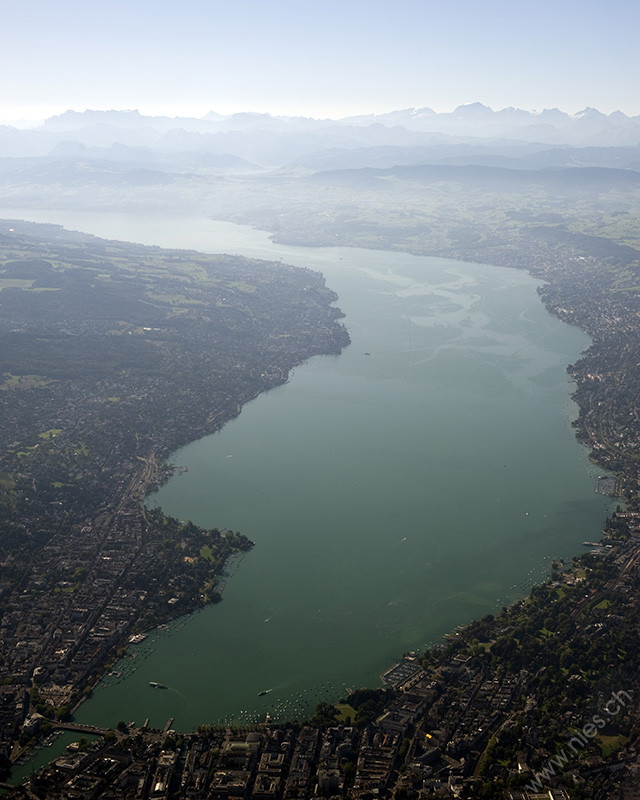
x: 426, y: 476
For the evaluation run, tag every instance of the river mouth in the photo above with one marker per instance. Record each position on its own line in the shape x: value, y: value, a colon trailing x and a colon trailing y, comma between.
x: 424, y: 477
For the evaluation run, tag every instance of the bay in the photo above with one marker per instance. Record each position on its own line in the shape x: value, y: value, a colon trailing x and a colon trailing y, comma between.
x: 426, y: 476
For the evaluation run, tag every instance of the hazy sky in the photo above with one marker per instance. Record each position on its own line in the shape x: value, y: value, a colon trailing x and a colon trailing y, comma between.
x: 321, y: 58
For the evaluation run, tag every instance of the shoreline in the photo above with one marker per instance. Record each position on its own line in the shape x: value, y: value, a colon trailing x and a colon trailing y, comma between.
x: 278, y: 384
x: 133, y: 568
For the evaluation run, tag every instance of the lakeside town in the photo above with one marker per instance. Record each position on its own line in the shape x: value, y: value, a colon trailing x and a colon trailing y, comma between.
x: 475, y: 718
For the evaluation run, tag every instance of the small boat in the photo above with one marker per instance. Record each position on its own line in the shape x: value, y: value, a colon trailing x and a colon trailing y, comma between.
x: 155, y: 685
x: 263, y: 692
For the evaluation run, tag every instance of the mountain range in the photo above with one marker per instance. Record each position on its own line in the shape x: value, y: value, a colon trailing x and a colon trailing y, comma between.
x: 247, y: 141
